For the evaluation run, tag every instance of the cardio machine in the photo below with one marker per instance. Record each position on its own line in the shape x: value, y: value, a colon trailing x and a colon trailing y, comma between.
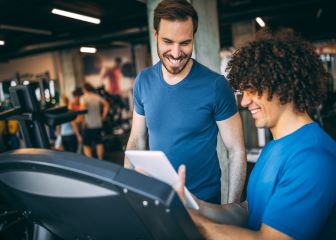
x: 61, y: 195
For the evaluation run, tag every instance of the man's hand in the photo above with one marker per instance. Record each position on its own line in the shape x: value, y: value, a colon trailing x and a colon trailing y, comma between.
x: 179, y: 188
x: 141, y: 170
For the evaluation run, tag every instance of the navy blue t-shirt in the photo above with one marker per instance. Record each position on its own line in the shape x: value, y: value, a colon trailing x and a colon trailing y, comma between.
x: 181, y: 121
x: 292, y: 187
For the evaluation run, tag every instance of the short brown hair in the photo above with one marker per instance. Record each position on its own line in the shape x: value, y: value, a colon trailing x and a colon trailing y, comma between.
x: 175, y: 10
x: 281, y: 64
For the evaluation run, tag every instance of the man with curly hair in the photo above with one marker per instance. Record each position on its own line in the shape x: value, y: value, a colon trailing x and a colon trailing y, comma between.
x: 292, y: 188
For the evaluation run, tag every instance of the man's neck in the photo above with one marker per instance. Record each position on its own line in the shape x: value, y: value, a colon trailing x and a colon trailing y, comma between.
x: 173, y: 79
x: 289, y: 122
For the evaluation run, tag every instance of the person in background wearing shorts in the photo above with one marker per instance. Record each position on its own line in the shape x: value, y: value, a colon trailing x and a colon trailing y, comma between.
x: 97, y: 108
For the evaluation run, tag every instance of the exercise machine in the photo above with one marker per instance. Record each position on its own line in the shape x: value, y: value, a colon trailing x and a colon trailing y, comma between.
x: 62, y: 195
x: 73, y: 197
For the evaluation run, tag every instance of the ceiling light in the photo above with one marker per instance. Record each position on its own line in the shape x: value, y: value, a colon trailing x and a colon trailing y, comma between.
x: 75, y: 16
x: 2, y: 42
x: 88, y: 50
x: 260, y: 22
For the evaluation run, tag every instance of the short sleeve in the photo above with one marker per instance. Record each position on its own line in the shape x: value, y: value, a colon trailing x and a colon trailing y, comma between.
x: 225, y: 102
x: 304, y: 197
x: 138, y: 103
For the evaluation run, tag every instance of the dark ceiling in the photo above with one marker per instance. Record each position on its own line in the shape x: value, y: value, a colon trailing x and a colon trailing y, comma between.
x: 126, y: 20
x: 120, y: 20
x: 313, y: 19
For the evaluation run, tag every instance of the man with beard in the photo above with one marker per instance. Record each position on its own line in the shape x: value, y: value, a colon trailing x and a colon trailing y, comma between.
x: 182, y: 104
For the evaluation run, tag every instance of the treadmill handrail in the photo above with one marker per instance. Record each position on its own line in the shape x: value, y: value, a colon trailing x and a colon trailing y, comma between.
x: 10, y: 113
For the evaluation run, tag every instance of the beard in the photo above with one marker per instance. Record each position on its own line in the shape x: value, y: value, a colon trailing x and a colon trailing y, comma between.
x: 174, y: 70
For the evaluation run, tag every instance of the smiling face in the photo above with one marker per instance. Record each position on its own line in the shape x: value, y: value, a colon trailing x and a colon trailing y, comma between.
x: 266, y: 113
x: 174, y: 45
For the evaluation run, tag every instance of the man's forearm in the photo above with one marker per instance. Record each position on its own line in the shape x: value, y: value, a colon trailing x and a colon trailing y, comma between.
x: 134, y: 144
x: 231, y: 131
x: 214, y: 231
x: 237, y: 175
x: 232, y: 214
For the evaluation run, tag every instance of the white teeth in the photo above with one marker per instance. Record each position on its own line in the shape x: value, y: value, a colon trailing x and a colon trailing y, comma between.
x: 254, y: 111
x: 173, y: 61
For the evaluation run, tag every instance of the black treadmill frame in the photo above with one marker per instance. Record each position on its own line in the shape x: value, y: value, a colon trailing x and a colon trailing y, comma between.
x: 64, y: 193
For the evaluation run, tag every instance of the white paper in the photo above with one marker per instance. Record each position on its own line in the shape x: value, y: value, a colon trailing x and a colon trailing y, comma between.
x: 157, y: 165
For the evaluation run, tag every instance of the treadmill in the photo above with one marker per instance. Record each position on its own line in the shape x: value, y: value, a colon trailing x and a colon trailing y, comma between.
x: 61, y: 195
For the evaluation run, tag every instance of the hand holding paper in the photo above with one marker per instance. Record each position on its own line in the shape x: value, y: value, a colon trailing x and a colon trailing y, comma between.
x: 181, y: 183
x: 156, y: 164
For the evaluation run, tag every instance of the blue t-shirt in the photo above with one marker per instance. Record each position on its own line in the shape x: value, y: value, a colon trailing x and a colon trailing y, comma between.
x: 181, y: 121
x: 292, y: 187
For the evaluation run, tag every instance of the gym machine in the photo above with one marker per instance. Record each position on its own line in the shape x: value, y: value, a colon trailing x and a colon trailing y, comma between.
x: 62, y: 195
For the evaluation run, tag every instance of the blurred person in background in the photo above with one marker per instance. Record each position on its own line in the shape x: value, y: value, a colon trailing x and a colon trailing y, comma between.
x: 113, y: 76
x: 98, y: 109
x: 68, y: 132
x: 75, y: 106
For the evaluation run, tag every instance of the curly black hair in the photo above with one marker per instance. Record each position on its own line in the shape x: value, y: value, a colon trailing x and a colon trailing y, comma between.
x: 280, y: 64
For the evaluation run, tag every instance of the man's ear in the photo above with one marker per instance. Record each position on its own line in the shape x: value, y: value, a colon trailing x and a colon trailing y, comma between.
x: 156, y: 35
